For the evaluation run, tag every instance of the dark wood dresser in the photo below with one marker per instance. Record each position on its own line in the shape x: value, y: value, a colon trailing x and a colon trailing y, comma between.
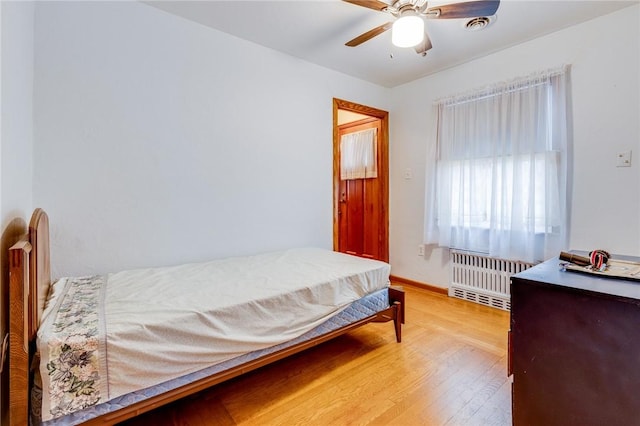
x: 574, y: 348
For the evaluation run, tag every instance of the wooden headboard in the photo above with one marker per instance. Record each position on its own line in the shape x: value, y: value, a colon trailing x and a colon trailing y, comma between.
x: 30, y: 278
x: 40, y: 273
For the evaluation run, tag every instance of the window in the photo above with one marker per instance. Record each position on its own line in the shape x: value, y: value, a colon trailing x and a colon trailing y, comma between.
x: 359, y: 155
x: 499, y: 170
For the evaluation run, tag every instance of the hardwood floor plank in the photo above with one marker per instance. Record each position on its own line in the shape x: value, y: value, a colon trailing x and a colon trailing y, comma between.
x: 473, y: 398
x: 495, y: 411
x: 450, y: 369
x: 431, y: 399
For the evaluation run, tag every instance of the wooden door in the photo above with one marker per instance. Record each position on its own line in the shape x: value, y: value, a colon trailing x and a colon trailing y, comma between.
x: 360, y: 205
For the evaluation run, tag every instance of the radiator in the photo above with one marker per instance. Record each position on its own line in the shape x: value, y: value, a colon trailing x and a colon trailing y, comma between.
x: 482, y: 279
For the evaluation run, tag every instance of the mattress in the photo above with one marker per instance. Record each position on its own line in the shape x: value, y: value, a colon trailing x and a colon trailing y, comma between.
x: 360, y: 309
x: 107, y: 337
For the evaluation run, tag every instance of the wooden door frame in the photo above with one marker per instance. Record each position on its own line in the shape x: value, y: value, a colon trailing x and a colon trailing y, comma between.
x: 383, y: 168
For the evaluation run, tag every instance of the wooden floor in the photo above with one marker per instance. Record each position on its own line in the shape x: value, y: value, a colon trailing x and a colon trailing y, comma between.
x: 450, y: 369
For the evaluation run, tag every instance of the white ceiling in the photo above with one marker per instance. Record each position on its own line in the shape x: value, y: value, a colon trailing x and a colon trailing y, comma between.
x: 316, y: 31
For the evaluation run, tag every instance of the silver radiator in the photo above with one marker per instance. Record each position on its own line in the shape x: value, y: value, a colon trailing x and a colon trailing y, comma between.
x: 482, y: 279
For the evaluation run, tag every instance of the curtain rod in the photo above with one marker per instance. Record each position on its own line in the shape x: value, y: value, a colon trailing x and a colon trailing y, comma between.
x: 512, y: 85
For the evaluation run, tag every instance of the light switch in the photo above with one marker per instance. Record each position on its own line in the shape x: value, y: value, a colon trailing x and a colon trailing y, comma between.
x: 408, y: 173
x: 624, y: 159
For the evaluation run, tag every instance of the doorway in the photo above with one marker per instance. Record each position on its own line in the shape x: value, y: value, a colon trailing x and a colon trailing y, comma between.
x: 361, y: 206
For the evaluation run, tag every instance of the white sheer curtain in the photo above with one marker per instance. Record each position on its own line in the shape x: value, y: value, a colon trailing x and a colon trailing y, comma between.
x: 359, y: 155
x: 498, y: 176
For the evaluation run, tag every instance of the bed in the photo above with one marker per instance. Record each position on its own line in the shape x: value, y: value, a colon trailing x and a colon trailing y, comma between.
x: 325, y: 294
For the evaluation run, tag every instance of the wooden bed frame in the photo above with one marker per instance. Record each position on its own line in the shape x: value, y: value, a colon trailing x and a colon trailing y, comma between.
x: 29, y: 282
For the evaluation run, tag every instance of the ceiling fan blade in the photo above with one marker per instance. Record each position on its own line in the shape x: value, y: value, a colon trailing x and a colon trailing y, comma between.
x: 421, y: 49
x: 371, y: 4
x: 369, y: 35
x: 470, y: 9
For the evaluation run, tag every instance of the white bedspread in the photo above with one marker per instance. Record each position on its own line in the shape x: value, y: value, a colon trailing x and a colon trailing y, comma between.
x: 164, y: 323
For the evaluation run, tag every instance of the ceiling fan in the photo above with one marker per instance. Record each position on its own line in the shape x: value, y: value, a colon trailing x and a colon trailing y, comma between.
x: 408, y: 28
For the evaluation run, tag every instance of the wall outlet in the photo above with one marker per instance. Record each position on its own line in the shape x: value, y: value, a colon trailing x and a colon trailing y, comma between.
x: 421, y: 250
x: 623, y: 159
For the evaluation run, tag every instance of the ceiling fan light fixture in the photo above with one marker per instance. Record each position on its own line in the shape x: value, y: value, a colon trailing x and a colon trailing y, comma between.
x: 407, y: 31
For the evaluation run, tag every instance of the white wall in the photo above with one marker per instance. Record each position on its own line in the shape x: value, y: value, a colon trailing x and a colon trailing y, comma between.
x: 160, y: 141
x: 17, y: 111
x: 604, y: 54
x: 16, y: 139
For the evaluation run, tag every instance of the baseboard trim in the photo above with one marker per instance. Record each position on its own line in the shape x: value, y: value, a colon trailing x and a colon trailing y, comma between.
x: 424, y: 286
